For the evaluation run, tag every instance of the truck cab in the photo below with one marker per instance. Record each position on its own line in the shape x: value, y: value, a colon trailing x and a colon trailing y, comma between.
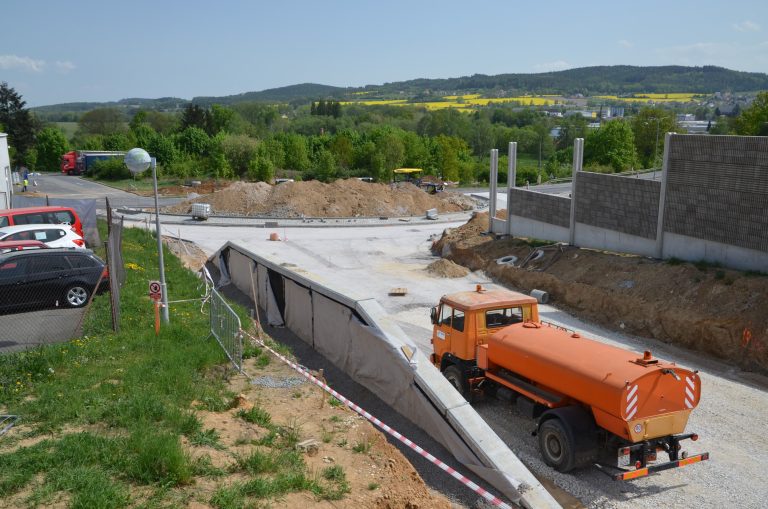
x: 464, y: 320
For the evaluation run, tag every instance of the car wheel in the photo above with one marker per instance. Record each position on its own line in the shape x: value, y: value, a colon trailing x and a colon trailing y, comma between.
x: 556, y: 447
x: 455, y: 377
x: 76, y: 296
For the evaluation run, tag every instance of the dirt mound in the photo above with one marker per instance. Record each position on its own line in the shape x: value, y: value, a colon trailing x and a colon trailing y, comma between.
x: 446, y: 268
x: 701, y: 307
x: 342, y: 198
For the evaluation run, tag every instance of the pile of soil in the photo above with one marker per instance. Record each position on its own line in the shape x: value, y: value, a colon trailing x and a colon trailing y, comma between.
x: 446, y: 268
x: 701, y: 307
x: 342, y: 198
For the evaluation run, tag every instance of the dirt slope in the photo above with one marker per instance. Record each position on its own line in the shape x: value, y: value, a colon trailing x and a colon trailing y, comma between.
x: 701, y: 307
x: 342, y: 198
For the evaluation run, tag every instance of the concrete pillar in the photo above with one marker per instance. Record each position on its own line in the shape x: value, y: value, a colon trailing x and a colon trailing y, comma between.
x: 494, y: 177
x: 511, y: 179
x: 578, y: 161
x: 662, y: 198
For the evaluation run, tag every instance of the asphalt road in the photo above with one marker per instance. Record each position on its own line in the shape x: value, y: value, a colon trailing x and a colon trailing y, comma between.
x: 64, y: 186
x: 21, y: 331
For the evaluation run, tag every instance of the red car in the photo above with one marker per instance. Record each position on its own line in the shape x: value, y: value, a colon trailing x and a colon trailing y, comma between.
x: 41, y: 215
x: 18, y: 245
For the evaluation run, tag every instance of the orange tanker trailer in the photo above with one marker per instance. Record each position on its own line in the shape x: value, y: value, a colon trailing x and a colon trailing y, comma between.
x: 592, y: 401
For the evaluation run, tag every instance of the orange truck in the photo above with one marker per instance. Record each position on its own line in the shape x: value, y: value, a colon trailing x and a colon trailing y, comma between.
x: 593, y: 404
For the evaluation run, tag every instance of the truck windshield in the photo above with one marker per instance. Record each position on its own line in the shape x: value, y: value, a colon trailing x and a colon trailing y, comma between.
x: 503, y: 317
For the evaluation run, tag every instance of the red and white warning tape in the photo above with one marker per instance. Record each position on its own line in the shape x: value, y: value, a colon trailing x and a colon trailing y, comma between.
x: 490, y: 497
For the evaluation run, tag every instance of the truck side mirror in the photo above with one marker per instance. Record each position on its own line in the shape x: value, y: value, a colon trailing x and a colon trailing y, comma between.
x: 433, y: 315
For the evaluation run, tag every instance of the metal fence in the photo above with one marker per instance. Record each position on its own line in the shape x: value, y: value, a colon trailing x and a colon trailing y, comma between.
x: 115, y: 263
x: 225, y: 327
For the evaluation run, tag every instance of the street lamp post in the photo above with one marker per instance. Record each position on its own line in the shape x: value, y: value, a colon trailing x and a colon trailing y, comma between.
x: 138, y: 160
x: 656, y: 148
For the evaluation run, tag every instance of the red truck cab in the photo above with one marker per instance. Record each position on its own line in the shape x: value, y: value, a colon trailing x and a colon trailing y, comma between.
x: 69, y: 163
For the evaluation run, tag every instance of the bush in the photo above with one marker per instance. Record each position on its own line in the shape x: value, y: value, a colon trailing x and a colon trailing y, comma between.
x: 111, y: 169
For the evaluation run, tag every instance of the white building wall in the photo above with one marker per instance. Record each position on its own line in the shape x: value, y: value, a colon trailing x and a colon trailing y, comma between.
x: 6, y: 182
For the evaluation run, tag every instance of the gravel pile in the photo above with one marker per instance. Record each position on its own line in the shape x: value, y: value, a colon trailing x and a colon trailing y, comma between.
x: 278, y: 383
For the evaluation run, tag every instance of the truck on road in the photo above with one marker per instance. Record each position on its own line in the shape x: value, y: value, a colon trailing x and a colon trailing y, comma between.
x: 80, y: 162
x: 592, y: 403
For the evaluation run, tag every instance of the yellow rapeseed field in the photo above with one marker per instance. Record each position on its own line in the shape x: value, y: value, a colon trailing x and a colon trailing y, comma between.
x: 648, y: 98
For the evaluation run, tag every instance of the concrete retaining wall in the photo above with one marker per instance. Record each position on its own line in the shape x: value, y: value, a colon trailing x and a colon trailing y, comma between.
x: 711, y: 204
x: 622, y: 204
x: 356, y: 335
x: 546, y: 208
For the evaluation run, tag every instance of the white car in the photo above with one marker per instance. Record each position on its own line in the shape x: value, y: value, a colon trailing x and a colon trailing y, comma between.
x: 54, y: 235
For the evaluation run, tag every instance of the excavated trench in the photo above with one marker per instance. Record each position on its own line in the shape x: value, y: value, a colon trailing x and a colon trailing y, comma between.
x: 708, y: 309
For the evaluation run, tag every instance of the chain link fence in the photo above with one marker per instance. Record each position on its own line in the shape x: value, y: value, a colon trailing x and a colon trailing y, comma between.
x: 115, y: 263
x: 46, y: 295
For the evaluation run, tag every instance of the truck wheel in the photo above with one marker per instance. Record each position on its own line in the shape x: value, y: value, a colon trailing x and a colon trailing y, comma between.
x: 456, y: 378
x: 556, y: 445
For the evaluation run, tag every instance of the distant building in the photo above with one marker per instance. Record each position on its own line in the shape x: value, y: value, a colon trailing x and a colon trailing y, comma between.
x: 696, y: 126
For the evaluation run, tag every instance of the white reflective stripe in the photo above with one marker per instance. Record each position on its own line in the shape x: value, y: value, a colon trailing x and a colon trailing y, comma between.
x: 690, y: 383
x: 632, y: 404
x: 688, y: 404
x: 634, y: 411
x: 689, y: 394
x: 631, y: 393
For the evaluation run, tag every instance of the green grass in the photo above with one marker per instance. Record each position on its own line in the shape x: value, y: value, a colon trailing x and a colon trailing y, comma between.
x: 256, y: 415
x: 363, y: 446
x: 140, y: 185
x: 111, y: 409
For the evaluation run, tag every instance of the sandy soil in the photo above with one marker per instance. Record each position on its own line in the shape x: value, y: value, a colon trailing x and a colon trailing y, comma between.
x: 379, y: 477
x: 708, y: 309
x: 342, y: 198
x: 446, y: 268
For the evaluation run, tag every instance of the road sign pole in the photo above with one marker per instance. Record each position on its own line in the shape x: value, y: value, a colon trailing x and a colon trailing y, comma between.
x: 163, y: 287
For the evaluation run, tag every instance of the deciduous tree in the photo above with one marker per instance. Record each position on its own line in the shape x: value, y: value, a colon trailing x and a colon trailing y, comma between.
x: 18, y: 123
x: 753, y: 120
x: 612, y: 145
x: 51, y: 145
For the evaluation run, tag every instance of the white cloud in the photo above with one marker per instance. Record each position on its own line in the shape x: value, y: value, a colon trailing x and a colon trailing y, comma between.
x: 65, y: 66
x: 23, y: 63
x: 625, y: 43
x: 557, y: 65
x: 746, y: 26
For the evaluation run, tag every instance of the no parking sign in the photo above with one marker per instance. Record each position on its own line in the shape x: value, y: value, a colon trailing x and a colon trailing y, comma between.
x: 154, y: 290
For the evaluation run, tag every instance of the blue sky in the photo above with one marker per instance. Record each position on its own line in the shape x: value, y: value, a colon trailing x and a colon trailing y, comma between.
x: 54, y: 51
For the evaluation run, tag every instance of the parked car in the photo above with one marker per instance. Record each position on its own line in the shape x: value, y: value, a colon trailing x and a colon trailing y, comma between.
x: 41, y: 215
x: 50, y: 234
x: 50, y: 277
x: 18, y: 245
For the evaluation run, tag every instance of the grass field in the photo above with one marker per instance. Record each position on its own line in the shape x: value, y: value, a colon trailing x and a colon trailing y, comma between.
x: 104, y: 418
x: 68, y: 128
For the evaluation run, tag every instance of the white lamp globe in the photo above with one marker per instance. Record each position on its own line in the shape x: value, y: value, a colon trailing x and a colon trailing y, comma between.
x: 137, y: 160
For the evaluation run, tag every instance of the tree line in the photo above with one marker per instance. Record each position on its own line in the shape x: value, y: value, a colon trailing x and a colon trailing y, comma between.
x: 324, y: 140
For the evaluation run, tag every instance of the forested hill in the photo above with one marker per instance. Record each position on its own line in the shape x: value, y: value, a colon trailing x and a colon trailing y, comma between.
x: 614, y: 80
x: 282, y: 94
